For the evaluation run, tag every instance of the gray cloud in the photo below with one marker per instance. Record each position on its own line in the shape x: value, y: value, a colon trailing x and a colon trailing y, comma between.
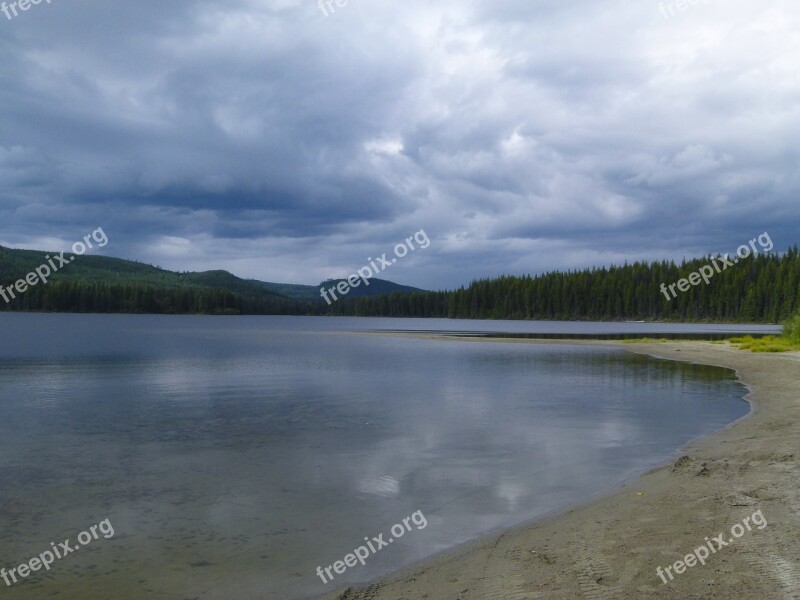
x: 265, y: 138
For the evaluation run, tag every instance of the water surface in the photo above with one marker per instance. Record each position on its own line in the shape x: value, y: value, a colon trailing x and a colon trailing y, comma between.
x: 235, y: 455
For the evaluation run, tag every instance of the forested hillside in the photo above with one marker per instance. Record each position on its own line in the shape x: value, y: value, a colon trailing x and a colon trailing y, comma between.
x: 111, y: 285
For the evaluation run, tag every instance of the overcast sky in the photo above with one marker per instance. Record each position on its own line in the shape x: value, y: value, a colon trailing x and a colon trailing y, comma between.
x: 268, y: 139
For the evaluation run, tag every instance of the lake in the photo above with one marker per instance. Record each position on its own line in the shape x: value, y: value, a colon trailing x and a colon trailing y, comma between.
x: 235, y: 455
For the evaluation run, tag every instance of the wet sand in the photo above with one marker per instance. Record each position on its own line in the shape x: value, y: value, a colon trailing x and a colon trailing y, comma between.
x: 611, y: 546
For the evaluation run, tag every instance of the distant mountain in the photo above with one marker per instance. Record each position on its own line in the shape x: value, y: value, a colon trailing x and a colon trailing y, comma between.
x: 105, y: 284
x: 311, y: 293
x: 307, y: 293
x: 375, y: 287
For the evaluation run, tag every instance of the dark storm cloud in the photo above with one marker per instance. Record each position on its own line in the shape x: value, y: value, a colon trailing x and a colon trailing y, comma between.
x: 270, y: 140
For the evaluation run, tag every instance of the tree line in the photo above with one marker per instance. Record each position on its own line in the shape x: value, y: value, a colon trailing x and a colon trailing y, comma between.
x: 102, y: 297
x: 761, y: 289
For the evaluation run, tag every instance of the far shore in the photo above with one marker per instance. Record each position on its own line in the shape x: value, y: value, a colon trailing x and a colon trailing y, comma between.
x: 611, y: 547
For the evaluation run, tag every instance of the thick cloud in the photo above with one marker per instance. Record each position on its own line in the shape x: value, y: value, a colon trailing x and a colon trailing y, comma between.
x: 266, y: 138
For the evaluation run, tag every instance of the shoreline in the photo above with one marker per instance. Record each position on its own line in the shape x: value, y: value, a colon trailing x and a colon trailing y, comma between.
x: 610, y: 545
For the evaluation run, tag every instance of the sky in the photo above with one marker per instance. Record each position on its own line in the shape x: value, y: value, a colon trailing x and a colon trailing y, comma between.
x: 291, y: 141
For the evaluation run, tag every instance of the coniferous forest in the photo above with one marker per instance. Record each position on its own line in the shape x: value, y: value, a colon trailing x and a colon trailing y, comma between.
x: 764, y: 289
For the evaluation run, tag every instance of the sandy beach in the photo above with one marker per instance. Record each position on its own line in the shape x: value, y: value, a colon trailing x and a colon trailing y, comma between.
x: 611, y: 546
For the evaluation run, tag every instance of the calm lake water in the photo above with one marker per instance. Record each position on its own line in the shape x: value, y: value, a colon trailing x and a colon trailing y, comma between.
x: 234, y: 455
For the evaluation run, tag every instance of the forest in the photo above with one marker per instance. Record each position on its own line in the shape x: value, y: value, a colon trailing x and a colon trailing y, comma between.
x: 761, y: 289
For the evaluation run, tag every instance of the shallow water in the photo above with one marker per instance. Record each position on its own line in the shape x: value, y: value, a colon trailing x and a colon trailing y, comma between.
x: 235, y: 455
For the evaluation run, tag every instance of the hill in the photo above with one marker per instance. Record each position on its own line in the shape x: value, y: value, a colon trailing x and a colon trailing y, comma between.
x: 311, y: 293
x: 106, y: 284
